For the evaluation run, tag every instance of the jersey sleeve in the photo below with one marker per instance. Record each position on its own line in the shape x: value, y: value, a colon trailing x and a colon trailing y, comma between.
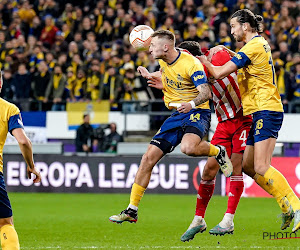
x: 197, y: 74
x: 15, y: 119
x: 243, y: 57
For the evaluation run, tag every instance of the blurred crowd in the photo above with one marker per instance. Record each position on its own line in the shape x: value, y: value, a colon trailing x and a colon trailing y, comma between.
x: 54, y: 52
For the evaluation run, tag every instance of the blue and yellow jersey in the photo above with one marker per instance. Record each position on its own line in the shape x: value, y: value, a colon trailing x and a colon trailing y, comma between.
x: 180, y: 79
x: 257, y: 77
x: 10, y: 118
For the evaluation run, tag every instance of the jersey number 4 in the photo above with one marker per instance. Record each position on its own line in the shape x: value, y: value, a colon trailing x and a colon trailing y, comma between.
x: 243, y: 138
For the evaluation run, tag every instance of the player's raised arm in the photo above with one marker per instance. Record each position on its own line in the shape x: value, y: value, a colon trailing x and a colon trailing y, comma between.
x: 26, y: 149
x: 146, y: 74
x: 218, y: 72
x: 154, y: 78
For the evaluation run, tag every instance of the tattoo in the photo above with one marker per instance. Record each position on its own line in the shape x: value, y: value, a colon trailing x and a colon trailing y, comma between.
x: 204, y: 94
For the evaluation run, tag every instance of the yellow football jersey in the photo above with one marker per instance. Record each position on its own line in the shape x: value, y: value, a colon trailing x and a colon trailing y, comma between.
x: 256, y: 75
x: 181, y: 78
x: 10, y: 118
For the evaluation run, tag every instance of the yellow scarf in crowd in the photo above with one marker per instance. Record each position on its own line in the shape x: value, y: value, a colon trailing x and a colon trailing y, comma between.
x: 280, y: 82
x: 56, y: 80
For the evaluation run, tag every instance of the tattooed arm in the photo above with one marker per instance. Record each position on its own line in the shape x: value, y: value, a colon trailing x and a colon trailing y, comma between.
x: 203, y: 96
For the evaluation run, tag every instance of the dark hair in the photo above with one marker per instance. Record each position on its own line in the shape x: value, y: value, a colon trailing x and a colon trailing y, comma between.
x: 246, y: 16
x: 191, y: 46
x: 164, y: 34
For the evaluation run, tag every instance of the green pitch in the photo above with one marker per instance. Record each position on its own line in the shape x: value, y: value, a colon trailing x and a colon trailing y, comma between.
x: 80, y: 221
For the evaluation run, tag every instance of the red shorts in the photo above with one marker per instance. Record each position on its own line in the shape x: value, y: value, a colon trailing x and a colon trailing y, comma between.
x: 233, y: 134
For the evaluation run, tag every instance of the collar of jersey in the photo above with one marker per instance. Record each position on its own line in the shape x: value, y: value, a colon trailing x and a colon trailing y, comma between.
x: 255, y: 36
x: 175, y: 58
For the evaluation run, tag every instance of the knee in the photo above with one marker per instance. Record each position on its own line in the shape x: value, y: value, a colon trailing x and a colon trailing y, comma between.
x: 6, y: 221
x: 147, y: 163
x: 188, y: 149
x: 261, y: 168
x: 248, y: 169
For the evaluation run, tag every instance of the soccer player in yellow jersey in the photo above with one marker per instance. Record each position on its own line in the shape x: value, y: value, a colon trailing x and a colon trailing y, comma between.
x: 185, y: 88
x: 260, y: 98
x: 10, y: 120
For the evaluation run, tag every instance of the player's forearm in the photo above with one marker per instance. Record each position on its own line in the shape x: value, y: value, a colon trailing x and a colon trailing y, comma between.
x: 204, y: 94
x: 26, y: 149
x: 215, y: 71
x: 156, y: 74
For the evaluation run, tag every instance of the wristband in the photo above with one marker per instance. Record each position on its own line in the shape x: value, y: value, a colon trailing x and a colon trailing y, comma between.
x: 193, y: 104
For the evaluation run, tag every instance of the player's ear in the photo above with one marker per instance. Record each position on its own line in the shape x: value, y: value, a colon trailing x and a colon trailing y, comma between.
x: 166, y: 48
x: 244, y: 26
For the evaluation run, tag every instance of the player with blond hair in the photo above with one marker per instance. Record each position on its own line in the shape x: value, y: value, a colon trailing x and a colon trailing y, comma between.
x: 185, y: 88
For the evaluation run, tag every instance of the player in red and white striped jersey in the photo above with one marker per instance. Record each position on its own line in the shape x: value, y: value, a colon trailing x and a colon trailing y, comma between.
x: 232, y: 132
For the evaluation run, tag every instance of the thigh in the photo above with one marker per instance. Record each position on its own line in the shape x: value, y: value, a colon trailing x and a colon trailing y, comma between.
x: 248, y: 161
x: 197, y: 121
x: 171, y: 131
x: 239, y: 138
x: 266, y: 124
x: 191, y: 139
x: 223, y: 136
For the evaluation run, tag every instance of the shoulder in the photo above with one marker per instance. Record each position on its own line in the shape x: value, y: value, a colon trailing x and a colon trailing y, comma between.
x: 5, y: 105
x: 254, y: 46
x: 9, y: 109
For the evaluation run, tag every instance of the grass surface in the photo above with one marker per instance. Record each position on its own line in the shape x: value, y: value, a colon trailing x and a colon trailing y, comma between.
x: 80, y: 221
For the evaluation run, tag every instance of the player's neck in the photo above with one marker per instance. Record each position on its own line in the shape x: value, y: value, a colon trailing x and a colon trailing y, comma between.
x: 249, y: 36
x: 173, y: 54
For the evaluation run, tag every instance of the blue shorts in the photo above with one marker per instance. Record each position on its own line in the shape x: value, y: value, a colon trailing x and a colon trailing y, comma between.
x: 197, y: 121
x: 265, y: 125
x: 5, y: 207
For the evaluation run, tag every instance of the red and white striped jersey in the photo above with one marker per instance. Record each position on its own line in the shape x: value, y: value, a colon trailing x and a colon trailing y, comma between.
x: 226, y: 93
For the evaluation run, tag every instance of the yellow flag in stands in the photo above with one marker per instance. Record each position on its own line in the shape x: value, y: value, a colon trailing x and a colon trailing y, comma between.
x: 98, y: 112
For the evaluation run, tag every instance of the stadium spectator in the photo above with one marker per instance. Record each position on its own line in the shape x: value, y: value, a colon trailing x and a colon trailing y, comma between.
x: 71, y: 82
x: 84, y: 135
x: 22, y: 82
x: 26, y: 13
x: 7, y: 91
x: 49, y: 31
x: 110, y: 87
x: 40, y: 81
x: 295, y: 102
x: 55, y: 89
x: 79, y: 23
x: 93, y: 81
x: 80, y: 85
x: 112, y: 139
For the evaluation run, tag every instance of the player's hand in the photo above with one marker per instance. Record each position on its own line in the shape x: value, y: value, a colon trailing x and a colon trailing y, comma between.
x: 185, y: 107
x: 37, y: 174
x: 215, y: 50
x: 155, y: 82
x: 203, y: 59
x: 144, y: 72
